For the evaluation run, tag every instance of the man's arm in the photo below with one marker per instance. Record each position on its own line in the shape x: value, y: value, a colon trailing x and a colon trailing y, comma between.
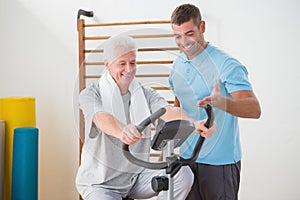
x: 242, y: 104
x: 176, y: 102
x: 175, y: 113
x: 111, y: 126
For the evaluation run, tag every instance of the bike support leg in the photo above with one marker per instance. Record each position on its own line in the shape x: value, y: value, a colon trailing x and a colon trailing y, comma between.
x: 168, y: 151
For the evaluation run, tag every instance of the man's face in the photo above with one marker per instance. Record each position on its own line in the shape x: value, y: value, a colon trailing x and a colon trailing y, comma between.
x: 123, y: 69
x: 189, y: 37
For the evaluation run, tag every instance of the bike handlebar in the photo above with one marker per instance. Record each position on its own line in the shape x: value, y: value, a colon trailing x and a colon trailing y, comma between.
x: 154, y: 116
x: 161, y: 165
x: 164, y: 165
x: 209, y: 122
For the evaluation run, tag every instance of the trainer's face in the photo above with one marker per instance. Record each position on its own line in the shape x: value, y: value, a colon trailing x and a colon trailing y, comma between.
x: 123, y: 70
x: 189, y: 37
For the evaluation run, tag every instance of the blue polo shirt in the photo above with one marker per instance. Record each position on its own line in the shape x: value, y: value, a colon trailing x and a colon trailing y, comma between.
x: 191, y: 81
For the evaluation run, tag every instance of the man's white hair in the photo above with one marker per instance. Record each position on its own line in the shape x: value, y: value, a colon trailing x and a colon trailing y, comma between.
x: 117, y: 46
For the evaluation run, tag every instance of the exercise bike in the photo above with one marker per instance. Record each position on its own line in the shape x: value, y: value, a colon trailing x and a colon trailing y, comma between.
x: 168, y: 136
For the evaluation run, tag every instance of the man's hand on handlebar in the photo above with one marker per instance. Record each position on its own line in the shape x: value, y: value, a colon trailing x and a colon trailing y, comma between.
x: 130, y: 134
x: 201, y: 129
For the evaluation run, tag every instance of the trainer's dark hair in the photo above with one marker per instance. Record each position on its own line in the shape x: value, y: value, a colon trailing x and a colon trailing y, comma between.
x: 184, y: 13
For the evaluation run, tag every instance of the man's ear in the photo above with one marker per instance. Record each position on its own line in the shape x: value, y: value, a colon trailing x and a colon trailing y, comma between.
x: 106, y: 64
x: 202, y: 26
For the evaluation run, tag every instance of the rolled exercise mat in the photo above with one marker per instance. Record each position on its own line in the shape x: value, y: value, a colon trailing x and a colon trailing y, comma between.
x: 25, y: 164
x: 16, y: 112
x: 2, y: 143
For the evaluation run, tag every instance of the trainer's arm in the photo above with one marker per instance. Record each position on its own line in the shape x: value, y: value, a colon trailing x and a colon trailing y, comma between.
x: 242, y: 104
x: 175, y: 113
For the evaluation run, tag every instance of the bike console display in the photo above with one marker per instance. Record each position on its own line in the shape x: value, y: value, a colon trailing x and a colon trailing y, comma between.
x: 177, y: 130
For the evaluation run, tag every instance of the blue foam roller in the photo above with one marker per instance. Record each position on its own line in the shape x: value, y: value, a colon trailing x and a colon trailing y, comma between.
x: 25, y: 164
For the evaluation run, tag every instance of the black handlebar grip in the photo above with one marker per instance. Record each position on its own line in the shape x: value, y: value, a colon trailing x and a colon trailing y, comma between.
x: 210, y: 116
x: 154, y: 116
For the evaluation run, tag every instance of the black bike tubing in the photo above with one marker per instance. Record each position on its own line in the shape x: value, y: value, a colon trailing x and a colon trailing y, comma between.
x: 208, y: 124
x: 142, y: 163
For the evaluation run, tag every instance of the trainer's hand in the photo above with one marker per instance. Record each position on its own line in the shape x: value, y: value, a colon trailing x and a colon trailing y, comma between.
x: 201, y: 129
x: 129, y: 134
x: 215, y: 99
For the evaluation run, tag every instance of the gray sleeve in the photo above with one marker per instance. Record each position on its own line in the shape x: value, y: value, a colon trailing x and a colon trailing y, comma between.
x: 155, y: 100
x: 90, y: 103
